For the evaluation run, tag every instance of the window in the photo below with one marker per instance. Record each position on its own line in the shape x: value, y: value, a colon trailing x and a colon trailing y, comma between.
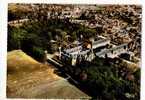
x: 112, y: 51
x: 124, y: 47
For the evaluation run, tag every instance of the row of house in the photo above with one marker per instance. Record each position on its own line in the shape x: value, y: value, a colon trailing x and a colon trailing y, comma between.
x: 113, y: 52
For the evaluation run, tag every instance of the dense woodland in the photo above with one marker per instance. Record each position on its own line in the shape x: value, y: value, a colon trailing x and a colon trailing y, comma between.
x: 100, y: 78
x: 107, y: 79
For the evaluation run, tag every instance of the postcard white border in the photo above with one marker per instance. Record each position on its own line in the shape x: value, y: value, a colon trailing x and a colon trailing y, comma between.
x: 3, y: 34
x: 79, y: 1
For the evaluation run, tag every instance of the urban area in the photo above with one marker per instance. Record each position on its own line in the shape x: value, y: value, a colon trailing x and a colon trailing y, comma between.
x: 74, y: 51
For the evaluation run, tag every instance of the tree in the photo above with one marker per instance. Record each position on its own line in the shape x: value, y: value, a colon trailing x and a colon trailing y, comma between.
x: 15, y: 37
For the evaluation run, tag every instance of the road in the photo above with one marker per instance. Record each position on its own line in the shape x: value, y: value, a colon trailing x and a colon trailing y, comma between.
x: 60, y: 67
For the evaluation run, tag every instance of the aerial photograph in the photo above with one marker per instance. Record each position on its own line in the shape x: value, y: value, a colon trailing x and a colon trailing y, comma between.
x: 74, y: 51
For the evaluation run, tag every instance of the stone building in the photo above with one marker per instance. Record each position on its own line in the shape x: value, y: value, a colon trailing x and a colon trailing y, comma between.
x: 113, y: 52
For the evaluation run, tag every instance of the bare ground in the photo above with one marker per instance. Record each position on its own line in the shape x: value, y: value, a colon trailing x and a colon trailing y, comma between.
x: 27, y: 78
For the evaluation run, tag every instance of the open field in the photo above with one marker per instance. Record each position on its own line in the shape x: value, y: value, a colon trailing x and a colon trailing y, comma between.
x: 28, y: 78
